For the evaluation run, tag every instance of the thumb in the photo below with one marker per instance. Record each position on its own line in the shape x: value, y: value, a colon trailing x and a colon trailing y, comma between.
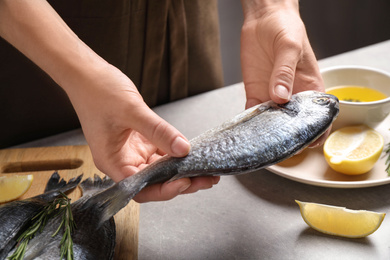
x: 283, y: 74
x: 159, y: 132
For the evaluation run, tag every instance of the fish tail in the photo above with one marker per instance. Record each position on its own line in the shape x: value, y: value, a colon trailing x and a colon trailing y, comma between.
x: 95, y: 185
x: 55, y: 183
x: 113, y: 199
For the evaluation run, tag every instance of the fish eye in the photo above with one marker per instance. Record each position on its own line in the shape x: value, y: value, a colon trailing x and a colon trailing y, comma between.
x: 321, y: 101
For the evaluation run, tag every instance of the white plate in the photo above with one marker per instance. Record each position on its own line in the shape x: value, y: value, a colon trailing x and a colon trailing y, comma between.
x: 310, y: 167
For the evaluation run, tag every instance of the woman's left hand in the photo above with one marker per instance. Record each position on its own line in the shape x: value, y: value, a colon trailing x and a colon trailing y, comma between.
x: 276, y: 57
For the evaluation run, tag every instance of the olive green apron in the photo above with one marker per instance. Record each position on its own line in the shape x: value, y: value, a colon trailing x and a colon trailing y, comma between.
x: 168, y: 48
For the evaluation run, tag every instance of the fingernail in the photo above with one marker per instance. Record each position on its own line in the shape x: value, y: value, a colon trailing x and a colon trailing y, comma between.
x: 184, y: 188
x: 282, y: 92
x: 180, y: 147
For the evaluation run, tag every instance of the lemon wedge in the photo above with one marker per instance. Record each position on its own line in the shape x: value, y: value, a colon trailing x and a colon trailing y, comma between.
x: 14, y: 186
x: 353, y: 150
x: 340, y: 221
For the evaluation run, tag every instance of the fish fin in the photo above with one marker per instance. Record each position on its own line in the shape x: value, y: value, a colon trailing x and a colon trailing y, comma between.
x: 175, y: 178
x: 97, y: 184
x: 111, y: 200
x: 289, y: 110
x: 247, y: 115
x: 55, y: 183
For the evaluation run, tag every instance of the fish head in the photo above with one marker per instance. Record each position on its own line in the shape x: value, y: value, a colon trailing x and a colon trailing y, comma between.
x: 327, y: 101
x: 324, y: 99
x: 314, y: 103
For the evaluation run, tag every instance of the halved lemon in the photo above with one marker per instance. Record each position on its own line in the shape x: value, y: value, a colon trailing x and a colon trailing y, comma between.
x: 353, y: 150
x: 340, y: 221
x: 14, y: 186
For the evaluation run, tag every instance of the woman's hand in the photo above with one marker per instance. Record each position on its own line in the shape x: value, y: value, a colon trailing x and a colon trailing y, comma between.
x: 124, y: 133
x: 276, y: 57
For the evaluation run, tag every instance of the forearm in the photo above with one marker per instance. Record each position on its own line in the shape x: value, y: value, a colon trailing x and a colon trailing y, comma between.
x: 256, y: 8
x: 35, y: 29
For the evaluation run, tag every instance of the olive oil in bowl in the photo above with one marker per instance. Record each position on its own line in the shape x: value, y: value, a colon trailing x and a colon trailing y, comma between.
x: 363, y: 92
x: 356, y: 93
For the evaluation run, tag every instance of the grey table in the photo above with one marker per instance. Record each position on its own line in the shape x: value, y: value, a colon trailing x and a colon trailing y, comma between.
x: 251, y: 216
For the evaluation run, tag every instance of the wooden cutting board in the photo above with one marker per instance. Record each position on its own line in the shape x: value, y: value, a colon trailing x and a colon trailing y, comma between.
x: 70, y: 161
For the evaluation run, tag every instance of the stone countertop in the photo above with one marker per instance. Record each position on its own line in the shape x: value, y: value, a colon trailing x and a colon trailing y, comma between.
x: 252, y: 216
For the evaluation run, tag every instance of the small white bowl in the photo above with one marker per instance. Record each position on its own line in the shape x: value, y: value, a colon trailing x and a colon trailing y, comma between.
x: 355, y: 113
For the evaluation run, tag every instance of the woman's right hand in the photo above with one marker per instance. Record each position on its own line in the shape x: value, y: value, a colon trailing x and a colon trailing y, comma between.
x: 125, y: 135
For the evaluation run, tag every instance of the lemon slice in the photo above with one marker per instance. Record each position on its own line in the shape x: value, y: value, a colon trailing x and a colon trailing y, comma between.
x: 340, y: 221
x: 14, y: 186
x: 353, y: 150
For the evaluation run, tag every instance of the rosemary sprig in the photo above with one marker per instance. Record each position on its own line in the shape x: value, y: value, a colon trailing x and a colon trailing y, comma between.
x: 59, y: 206
x: 69, y: 225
